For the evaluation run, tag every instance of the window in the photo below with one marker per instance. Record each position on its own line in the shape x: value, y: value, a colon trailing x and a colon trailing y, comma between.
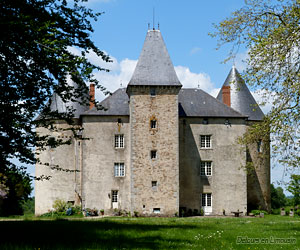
x: 259, y: 146
x: 156, y: 210
x: 52, y: 142
x: 152, y: 92
x: 153, y: 123
x: 154, y: 183
x: 119, y: 170
x: 206, y: 200
x: 119, y: 141
x: 205, y: 121
x: 114, y: 196
x: 205, y: 168
x: 205, y: 141
x: 153, y: 154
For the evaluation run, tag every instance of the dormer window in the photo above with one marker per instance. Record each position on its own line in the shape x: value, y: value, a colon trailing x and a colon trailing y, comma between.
x: 152, y: 92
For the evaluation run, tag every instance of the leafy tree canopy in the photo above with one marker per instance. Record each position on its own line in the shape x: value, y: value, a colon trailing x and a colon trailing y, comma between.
x: 294, y: 188
x: 270, y: 30
x: 278, y: 198
x: 35, y: 61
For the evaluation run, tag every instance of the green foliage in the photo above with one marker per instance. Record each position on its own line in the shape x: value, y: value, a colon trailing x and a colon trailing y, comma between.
x: 278, y: 198
x: 28, y: 206
x: 60, y: 205
x: 258, y: 212
x: 36, y: 59
x: 269, y: 30
x: 17, y: 185
x: 294, y: 188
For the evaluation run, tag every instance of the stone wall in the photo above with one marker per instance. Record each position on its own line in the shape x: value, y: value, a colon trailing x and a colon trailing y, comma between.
x: 149, y: 197
x: 227, y: 184
x: 99, y: 155
x: 258, y: 179
x: 61, y: 183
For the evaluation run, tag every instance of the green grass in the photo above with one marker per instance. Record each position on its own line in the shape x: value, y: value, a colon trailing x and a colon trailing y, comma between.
x: 147, y: 233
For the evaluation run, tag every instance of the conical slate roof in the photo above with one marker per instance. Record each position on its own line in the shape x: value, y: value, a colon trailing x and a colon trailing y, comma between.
x: 57, y: 104
x: 154, y: 66
x: 240, y: 97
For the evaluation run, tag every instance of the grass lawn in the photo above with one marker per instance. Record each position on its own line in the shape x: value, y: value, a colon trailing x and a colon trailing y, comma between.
x: 149, y: 233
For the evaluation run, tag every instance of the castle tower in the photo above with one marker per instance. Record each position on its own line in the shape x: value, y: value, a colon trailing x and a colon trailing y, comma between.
x: 236, y: 95
x: 64, y: 185
x: 153, y: 93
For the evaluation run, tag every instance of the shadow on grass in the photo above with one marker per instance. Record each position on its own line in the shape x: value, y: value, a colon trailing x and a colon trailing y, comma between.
x: 100, y: 234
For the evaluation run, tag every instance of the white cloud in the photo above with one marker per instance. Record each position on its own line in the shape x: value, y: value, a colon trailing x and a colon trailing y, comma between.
x: 214, y: 92
x: 240, y: 61
x: 264, y: 99
x: 121, y: 72
x: 192, y: 80
x: 195, y: 50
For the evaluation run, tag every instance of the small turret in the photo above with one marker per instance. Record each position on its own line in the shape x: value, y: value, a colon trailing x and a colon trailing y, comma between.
x: 235, y: 94
x: 57, y: 104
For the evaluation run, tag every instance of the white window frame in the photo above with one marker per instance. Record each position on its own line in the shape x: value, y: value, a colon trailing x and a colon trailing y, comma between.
x: 206, y: 200
x: 119, y: 169
x: 119, y: 141
x: 205, y: 141
x: 206, y: 168
x: 114, y: 196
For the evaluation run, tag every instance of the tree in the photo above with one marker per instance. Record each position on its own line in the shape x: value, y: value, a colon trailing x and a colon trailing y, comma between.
x: 294, y: 188
x: 270, y: 31
x: 278, y: 198
x: 35, y: 61
x: 18, y: 188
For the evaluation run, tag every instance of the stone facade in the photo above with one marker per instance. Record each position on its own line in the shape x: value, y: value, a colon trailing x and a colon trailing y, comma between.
x: 157, y: 149
x: 154, y: 180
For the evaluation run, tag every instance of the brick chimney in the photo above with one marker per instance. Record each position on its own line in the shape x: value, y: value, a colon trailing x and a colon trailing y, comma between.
x: 226, y: 95
x: 92, y: 95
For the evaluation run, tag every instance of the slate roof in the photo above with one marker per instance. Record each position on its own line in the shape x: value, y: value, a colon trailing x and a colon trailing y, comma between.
x: 240, y: 97
x: 57, y: 104
x: 116, y: 104
x: 192, y: 103
x: 154, y: 67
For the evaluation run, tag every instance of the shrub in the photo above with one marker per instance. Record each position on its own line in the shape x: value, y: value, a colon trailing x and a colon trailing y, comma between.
x: 257, y: 212
x: 59, y: 205
x: 276, y: 211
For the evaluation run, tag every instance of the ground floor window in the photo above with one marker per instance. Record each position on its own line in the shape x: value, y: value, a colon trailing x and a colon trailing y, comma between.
x: 206, y: 200
x: 114, y: 196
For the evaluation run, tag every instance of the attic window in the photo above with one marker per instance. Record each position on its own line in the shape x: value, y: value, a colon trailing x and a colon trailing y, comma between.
x: 154, y: 183
x: 152, y: 92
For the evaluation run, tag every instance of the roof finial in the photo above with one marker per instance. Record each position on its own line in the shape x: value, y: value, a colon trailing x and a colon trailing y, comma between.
x: 158, y: 26
x: 148, y: 26
x: 198, y: 85
x: 121, y: 84
x: 233, y: 62
x: 153, y: 18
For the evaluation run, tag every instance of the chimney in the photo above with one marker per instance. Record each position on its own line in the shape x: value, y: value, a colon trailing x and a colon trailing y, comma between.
x: 92, y: 95
x: 226, y: 95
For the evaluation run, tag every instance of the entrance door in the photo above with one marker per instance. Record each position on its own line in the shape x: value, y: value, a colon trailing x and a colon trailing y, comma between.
x: 206, y: 203
x: 114, y: 199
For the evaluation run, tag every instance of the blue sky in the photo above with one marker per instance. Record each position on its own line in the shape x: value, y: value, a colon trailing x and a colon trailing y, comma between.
x: 185, y: 25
